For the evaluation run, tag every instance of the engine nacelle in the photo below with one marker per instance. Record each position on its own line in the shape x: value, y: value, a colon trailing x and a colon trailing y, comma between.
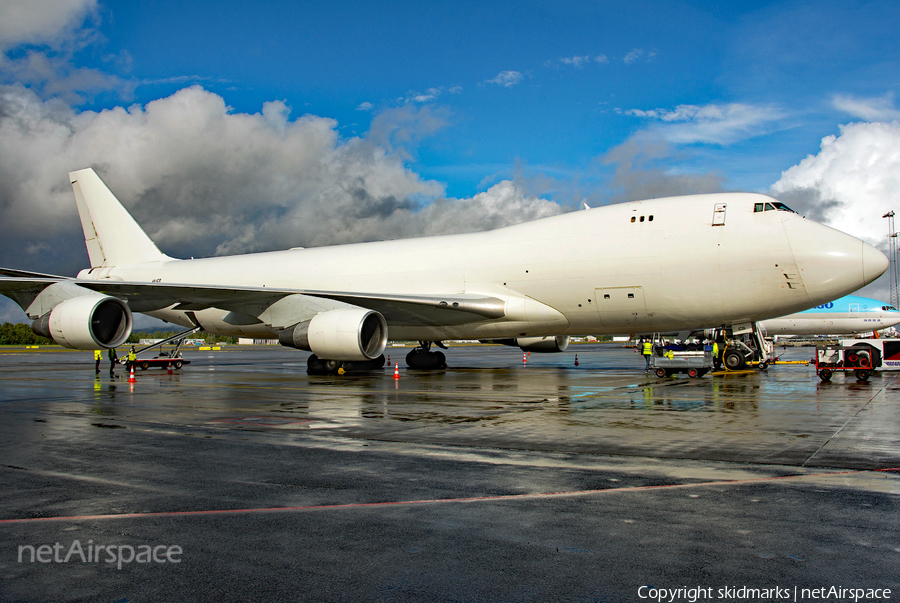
x: 344, y: 334
x: 87, y: 322
x: 548, y: 344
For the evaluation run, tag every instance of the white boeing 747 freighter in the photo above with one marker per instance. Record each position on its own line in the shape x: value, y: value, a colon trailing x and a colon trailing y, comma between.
x: 673, y: 264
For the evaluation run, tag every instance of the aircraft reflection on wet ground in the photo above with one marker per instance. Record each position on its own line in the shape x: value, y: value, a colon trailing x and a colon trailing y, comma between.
x: 492, y: 480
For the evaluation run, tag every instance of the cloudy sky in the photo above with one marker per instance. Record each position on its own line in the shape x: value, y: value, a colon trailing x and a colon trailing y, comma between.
x: 249, y: 126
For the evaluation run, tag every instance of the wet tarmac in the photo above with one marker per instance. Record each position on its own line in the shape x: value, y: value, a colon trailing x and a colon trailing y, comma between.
x: 240, y: 478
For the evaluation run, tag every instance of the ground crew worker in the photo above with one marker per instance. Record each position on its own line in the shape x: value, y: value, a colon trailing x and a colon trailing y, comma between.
x: 98, y: 356
x: 113, y: 359
x: 132, y: 358
x: 717, y: 362
x: 646, y: 352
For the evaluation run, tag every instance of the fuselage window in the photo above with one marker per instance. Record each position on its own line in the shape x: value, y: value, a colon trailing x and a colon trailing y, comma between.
x: 650, y: 219
x: 631, y: 296
x: 606, y: 296
x: 632, y: 218
x: 642, y: 218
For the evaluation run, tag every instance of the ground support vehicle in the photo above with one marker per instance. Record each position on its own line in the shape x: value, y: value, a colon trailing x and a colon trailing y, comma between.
x: 695, y: 363
x: 840, y: 358
x: 885, y: 352
x: 746, y: 345
x: 163, y: 361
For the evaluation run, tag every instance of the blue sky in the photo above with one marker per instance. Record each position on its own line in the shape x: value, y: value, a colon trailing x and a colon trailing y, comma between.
x: 244, y: 126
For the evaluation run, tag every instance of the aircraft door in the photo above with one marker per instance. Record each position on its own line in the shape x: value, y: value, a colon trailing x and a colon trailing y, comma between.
x: 719, y: 215
x: 621, y: 306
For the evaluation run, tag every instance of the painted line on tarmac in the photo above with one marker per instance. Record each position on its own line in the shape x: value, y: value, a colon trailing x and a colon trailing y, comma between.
x: 471, y: 499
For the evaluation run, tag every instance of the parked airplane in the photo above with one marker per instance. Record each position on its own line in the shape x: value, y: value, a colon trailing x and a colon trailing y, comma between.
x: 671, y: 264
x: 849, y: 314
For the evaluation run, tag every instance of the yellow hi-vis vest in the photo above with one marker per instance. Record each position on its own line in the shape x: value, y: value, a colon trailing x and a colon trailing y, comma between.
x: 98, y: 355
x: 648, y: 349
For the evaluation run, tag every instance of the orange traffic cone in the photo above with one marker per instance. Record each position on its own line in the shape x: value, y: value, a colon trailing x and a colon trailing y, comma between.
x: 524, y: 359
x: 169, y: 371
x: 396, y: 371
x: 131, y: 378
x: 576, y: 359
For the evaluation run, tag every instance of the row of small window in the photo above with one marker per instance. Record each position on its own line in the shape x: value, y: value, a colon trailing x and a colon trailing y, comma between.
x: 649, y: 218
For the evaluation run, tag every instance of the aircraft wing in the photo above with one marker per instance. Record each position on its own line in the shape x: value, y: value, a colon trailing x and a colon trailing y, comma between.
x: 458, y: 308
x: 23, y: 290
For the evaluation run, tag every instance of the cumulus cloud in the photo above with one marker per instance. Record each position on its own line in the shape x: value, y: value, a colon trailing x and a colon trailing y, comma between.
x: 507, y: 79
x: 46, y: 36
x: 30, y: 22
x: 204, y: 180
x: 851, y: 182
x: 711, y: 124
x: 869, y: 109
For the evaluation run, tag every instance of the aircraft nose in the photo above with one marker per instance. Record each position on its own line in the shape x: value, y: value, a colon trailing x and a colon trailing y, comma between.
x: 874, y: 263
x: 831, y: 263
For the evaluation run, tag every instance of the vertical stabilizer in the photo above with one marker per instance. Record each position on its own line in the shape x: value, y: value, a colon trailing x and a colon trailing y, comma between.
x: 112, y: 235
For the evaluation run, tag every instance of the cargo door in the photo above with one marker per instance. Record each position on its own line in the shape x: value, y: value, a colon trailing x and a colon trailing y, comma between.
x: 621, y: 306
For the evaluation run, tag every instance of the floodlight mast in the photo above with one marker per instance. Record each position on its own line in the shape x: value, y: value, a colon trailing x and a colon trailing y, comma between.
x: 892, y: 256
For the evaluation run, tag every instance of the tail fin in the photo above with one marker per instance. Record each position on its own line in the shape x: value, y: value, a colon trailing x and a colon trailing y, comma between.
x: 112, y: 235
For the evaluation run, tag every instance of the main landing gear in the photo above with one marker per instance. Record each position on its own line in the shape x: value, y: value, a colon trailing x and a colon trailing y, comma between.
x: 421, y: 358
x: 317, y: 366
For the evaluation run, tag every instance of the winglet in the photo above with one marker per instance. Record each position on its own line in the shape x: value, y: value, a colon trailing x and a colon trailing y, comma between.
x: 112, y: 235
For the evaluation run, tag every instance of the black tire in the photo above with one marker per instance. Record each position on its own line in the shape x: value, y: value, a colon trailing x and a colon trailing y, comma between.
x: 825, y: 375
x: 763, y: 365
x: 144, y: 365
x: 693, y: 373
x: 862, y: 375
x: 425, y: 361
x: 315, y: 366
x: 733, y: 360
x: 178, y: 364
x: 661, y: 372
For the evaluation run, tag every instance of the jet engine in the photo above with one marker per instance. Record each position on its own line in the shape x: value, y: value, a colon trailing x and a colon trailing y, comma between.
x: 549, y: 344
x: 86, y: 322
x: 343, y: 334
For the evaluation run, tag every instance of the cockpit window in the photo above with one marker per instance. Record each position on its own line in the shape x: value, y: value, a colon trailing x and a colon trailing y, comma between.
x: 889, y: 308
x: 773, y: 206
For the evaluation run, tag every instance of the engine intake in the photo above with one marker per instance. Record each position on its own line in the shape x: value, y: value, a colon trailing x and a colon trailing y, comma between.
x: 345, y: 334
x: 87, y: 322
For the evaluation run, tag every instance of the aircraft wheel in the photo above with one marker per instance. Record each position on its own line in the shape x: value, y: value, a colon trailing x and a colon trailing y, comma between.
x: 315, y: 366
x: 825, y: 375
x: 661, y: 372
x: 733, y: 360
x: 424, y: 361
x: 862, y: 375
x: 693, y: 373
